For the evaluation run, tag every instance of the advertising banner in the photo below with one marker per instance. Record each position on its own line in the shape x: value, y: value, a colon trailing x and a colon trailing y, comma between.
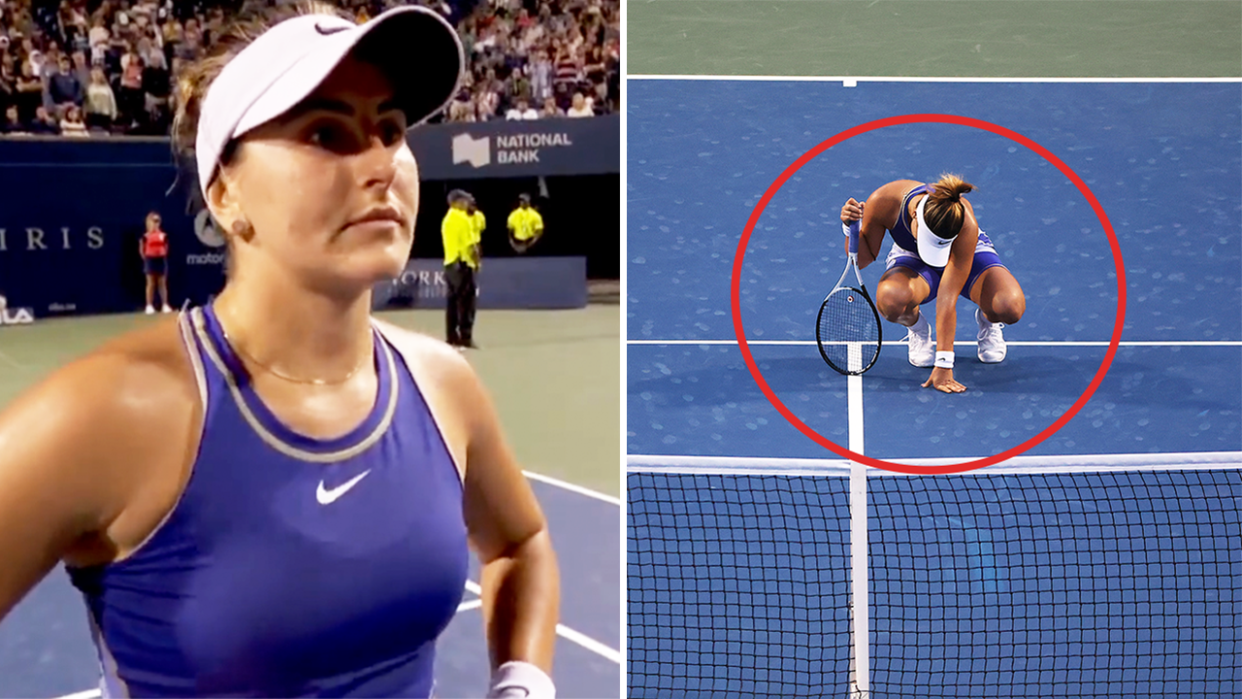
x: 503, y: 283
x: 538, y: 148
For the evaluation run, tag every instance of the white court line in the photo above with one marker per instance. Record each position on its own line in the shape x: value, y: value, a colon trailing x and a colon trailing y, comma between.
x: 860, y: 666
x: 569, y: 634
x: 895, y: 79
x: 1011, y: 343
x: 16, y: 364
x: 572, y: 488
x: 467, y: 606
x: 88, y: 694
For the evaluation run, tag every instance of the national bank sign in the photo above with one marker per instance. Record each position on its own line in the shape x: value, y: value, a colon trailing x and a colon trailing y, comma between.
x: 510, y: 149
x: 534, y: 148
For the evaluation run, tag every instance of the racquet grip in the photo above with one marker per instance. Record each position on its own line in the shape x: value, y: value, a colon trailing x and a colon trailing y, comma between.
x: 854, y: 225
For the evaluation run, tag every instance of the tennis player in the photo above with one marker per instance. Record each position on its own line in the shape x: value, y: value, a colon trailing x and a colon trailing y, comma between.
x: 276, y: 495
x: 938, y: 253
x: 525, y: 225
x: 154, y: 251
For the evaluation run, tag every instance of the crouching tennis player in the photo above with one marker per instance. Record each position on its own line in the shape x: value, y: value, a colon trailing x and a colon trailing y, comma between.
x: 276, y: 495
x: 938, y: 253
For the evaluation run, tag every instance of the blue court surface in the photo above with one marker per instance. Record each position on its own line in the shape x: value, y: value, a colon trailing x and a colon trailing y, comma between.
x: 1117, y: 579
x: 45, y: 649
x: 1163, y: 158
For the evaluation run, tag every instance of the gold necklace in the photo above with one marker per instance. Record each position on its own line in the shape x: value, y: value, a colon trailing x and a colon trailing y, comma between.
x: 292, y: 379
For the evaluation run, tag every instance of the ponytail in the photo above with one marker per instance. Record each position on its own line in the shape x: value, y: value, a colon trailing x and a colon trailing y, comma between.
x: 945, y: 213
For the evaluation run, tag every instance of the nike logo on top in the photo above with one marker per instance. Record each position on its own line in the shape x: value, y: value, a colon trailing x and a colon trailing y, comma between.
x: 328, y: 30
x: 327, y: 496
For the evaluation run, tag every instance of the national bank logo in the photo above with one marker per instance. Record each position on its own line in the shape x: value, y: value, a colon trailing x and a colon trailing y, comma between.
x: 468, y: 149
x: 510, y: 149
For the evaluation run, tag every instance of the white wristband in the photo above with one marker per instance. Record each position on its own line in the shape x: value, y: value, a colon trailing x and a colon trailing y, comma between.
x: 519, y: 680
x: 845, y: 228
x: 944, y: 360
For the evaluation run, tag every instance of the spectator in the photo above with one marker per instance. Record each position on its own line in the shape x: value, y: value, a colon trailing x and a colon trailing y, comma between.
x: 44, y: 123
x: 8, y: 84
x: 13, y: 123
x: 521, y: 111
x: 63, y: 87
x: 129, y: 56
x: 486, y: 101
x: 35, y: 60
x: 155, y: 88
x: 99, y: 38
x: 550, y: 110
x: 517, y: 49
x: 101, y: 108
x: 71, y: 124
x: 172, y: 31
x: 130, y: 98
x: 567, y: 71
x: 542, y: 73
x: 81, y: 69
x: 518, y: 84
x: 461, y: 109
x: 596, y: 72
x: 580, y: 107
x: 29, y: 93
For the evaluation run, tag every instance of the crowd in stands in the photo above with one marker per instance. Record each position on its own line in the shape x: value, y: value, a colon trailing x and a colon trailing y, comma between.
x: 81, y: 67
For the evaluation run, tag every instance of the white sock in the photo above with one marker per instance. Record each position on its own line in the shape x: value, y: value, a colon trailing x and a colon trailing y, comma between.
x: 920, y: 326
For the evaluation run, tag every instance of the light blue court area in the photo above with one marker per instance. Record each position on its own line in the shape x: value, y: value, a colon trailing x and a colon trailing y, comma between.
x: 1164, y: 160
x: 701, y: 400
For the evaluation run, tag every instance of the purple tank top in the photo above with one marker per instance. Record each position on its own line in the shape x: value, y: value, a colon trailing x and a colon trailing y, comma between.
x: 290, y: 566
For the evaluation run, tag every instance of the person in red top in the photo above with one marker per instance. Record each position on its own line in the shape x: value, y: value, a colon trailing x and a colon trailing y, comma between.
x: 154, y: 250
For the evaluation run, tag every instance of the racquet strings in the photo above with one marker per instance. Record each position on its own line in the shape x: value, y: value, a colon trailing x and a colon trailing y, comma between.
x: 849, y: 331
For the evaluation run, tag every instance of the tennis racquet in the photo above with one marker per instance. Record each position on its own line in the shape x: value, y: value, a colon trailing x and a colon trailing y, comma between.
x: 848, y: 328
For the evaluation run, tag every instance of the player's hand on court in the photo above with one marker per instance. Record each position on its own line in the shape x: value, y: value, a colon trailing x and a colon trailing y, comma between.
x: 942, y: 380
x: 852, y: 211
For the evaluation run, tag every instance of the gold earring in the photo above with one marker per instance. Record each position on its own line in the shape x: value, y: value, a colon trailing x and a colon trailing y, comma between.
x: 242, y: 230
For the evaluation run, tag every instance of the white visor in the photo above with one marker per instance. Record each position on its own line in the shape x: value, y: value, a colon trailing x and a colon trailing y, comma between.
x: 415, y: 47
x: 933, y: 249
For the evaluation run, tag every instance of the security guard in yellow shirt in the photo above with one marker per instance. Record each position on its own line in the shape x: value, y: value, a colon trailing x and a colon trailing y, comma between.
x: 525, y: 225
x: 461, y: 262
x: 477, y: 219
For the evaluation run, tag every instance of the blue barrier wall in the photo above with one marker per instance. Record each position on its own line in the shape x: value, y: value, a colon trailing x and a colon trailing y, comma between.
x: 72, y: 218
x: 74, y: 211
x: 514, y: 282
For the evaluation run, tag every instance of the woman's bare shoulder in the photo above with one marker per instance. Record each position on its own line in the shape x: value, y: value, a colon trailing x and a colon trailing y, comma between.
x: 426, y: 350
x: 144, y: 375
x: 897, y: 189
x: 86, y: 438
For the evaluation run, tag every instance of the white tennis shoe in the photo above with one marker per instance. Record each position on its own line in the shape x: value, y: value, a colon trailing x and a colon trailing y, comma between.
x: 922, y: 350
x: 992, y: 346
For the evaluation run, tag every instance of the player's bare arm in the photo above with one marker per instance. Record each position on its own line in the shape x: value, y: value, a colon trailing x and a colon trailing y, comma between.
x: 81, y: 480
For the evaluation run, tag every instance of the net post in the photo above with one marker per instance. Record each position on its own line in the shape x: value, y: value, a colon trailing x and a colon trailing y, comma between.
x: 860, y: 680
